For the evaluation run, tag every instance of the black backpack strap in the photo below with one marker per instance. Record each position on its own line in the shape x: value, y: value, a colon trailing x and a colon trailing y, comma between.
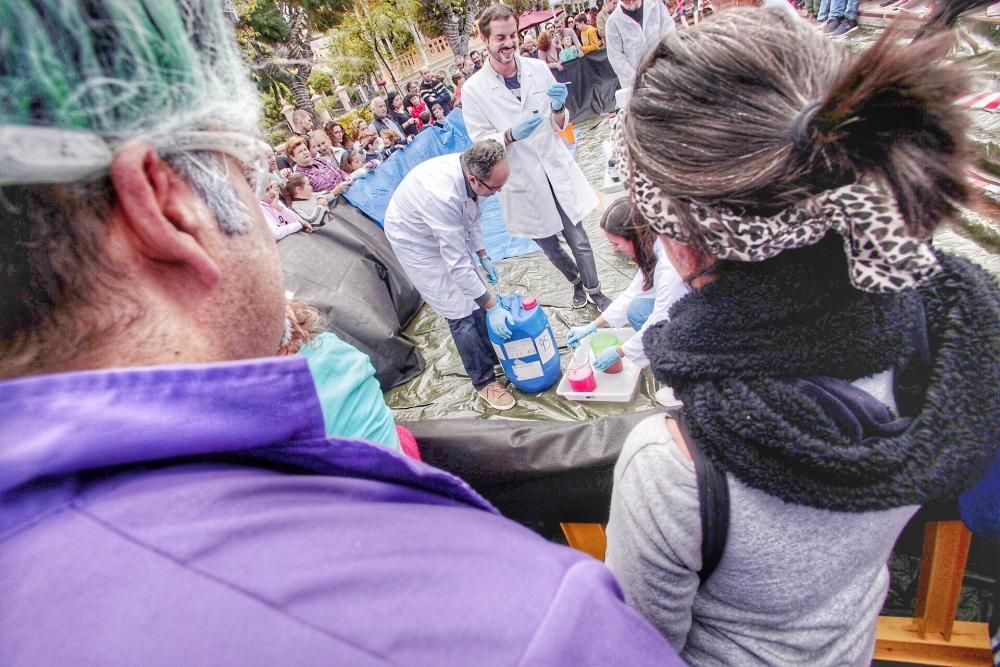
x: 713, y: 501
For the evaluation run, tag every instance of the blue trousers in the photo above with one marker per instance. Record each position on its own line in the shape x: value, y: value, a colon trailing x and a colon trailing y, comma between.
x: 474, y: 346
x: 838, y: 9
x: 639, y: 311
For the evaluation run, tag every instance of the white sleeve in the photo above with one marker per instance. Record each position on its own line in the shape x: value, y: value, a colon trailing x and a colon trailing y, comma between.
x: 616, y: 56
x: 442, y: 215
x: 667, y: 289
x: 281, y: 231
x: 475, y: 241
x: 476, y: 123
x: 617, y: 313
x: 654, y: 530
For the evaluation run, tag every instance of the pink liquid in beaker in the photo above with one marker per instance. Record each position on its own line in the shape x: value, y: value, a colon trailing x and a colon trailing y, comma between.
x: 581, y: 378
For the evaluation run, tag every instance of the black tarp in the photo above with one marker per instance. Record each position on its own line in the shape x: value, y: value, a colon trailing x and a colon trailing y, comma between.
x: 594, y: 82
x: 532, y: 471
x: 347, y: 270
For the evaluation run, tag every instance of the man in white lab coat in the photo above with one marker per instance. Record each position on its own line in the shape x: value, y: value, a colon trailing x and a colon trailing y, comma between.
x: 432, y: 223
x: 518, y: 102
x: 632, y: 30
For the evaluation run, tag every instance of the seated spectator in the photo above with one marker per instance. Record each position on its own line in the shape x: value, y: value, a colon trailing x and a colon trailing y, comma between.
x: 569, y: 50
x: 390, y: 143
x: 836, y: 371
x: 281, y: 219
x: 589, y: 41
x: 354, y: 165
x: 549, y: 52
x: 458, y: 80
x: 338, y: 140
x: 437, y: 115
x: 168, y: 494
x: 529, y: 49
x: 349, y: 394
x: 432, y: 90
x: 320, y: 145
x: 323, y: 175
x: 426, y: 120
x: 398, y: 113
x: 382, y: 121
x: 369, y: 145
x: 299, y: 195
x: 417, y: 109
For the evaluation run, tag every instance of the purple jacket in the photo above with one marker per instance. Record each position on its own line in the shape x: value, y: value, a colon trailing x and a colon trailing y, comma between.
x: 184, y: 515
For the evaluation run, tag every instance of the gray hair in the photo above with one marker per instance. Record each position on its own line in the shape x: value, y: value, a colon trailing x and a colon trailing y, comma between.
x: 377, y: 98
x: 110, y: 69
x: 480, y: 158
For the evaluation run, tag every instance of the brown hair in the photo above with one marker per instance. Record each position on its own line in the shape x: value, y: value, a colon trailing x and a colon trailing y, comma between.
x: 328, y: 128
x: 291, y: 187
x: 544, y: 42
x: 389, y: 137
x: 623, y: 219
x: 494, y: 13
x: 803, y: 116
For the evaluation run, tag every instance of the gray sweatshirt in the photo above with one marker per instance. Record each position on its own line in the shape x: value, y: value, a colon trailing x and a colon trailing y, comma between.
x: 795, y: 586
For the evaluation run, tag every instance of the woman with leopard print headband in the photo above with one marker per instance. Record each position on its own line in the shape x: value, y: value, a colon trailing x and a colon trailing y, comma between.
x: 834, y: 366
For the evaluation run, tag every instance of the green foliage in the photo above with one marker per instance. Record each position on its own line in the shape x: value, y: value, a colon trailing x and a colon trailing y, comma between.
x: 362, y: 40
x: 278, y: 135
x: 320, y: 81
x: 347, y: 120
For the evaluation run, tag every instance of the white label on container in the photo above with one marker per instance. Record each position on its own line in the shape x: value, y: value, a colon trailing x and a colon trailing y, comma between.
x: 499, y: 351
x: 523, y: 371
x: 519, y: 348
x: 546, y: 346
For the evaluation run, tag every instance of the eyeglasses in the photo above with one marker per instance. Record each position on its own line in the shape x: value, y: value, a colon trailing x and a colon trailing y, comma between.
x: 59, y: 155
x: 492, y: 189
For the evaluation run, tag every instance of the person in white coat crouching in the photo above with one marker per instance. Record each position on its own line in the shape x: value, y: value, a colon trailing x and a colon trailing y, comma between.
x: 432, y: 223
x: 508, y: 100
x: 632, y: 30
x: 654, y: 289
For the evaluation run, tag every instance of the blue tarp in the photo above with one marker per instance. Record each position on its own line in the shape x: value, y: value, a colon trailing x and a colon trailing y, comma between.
x: 371, y: 195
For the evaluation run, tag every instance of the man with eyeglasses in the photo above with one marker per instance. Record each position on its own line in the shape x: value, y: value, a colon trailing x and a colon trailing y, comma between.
x: 167, y: 491
x: 432, y: 223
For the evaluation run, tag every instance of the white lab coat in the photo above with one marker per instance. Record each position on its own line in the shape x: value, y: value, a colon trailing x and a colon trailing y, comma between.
x: 628, y: 43
x: 432, y: 225
x: 489, y: 110
x: 666, y: 290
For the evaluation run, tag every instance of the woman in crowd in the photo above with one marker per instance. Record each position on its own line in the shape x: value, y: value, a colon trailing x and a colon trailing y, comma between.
x: 323, y: 175
x: 548, y: 51
x: 398, y: 113
x: 339, y: 141
x: 281, y: 219
x: 836, y: 369
x: 569, y: 30
x: 654, y: 289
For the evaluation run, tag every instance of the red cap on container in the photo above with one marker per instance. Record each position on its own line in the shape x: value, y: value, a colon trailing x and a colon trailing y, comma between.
x: 529, y: 302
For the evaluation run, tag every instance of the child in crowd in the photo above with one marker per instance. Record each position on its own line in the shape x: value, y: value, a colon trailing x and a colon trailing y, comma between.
x: 391, y: 142
x: 417, y: 109
x: 569, y: 50
x: 281, y: 219
x: 298, y: 193
x: 458, y: 80
x: 354, y: 165
x: 349, y: 393
x: 437, y: 114
x: 425, y: 120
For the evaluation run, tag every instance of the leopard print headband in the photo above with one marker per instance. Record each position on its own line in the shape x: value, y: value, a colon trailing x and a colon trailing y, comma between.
x: 881, y: 256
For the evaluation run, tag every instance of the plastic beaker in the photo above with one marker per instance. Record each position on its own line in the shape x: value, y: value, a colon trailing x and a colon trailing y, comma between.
x: 581, y: 375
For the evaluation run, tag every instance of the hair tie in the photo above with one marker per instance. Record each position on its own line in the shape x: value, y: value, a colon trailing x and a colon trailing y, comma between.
x: 800, y: 126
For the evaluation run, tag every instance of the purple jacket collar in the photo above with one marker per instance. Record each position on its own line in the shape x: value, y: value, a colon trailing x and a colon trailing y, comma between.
x: 255, y: 412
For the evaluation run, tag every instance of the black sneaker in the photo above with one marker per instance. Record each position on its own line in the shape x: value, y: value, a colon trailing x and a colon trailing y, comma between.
x: 598, y: 299
x: 831, y: 25
x: 579, y: 296
x: 846, y: 26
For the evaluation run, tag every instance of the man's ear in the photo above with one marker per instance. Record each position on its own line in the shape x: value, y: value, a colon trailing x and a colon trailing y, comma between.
x: 168, y: 219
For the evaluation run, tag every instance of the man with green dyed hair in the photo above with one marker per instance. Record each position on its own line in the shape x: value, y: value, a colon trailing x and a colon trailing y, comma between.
x: 167, y: 493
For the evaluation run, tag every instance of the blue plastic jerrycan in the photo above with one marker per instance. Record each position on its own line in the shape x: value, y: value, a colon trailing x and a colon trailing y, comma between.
x: 530, y: 357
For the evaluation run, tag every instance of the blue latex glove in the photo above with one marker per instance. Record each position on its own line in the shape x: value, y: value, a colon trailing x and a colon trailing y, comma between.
x: 499, y: 319
x: 606, y: 359
x: 577, y: 334
x: 492, y: 275
x: 524, y: 129
x: 558, y: 92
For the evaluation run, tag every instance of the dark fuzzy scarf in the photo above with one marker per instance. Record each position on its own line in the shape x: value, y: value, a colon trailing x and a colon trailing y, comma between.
x: 737, y: 351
